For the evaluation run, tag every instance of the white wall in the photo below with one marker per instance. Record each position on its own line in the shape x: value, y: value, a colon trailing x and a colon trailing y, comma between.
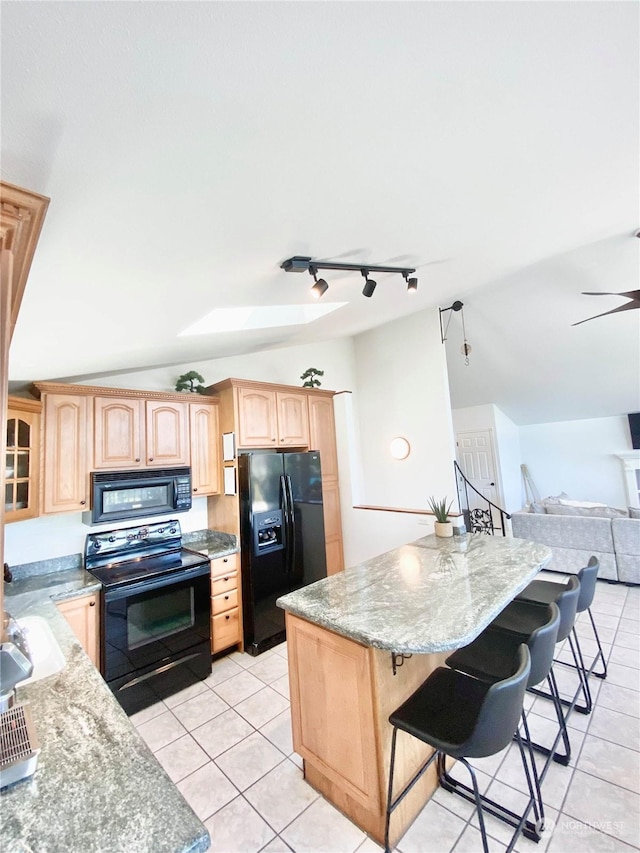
x: 578, y: 457
x: 506, y: 440
x: 283, y: 366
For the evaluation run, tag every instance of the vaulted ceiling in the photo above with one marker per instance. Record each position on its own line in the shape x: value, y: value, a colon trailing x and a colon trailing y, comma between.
x: 189, y: 147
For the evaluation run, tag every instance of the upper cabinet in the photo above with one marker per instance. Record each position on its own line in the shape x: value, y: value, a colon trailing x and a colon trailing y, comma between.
x: 22, y: 460
x: 267, y: 415
x: 322, y: 432
x: 88, y: 428
x: 205, y: 449
x: 138, y: 433
x: 66, y: 468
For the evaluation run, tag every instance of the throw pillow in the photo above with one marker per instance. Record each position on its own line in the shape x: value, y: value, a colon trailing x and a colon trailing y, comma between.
x: 588, y: 512
x: 579, y: 503
x: 634, y: 512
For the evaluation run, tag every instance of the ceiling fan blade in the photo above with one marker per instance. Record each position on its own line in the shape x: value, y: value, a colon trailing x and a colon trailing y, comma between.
x: 630, y: 294
x: 626, y: 307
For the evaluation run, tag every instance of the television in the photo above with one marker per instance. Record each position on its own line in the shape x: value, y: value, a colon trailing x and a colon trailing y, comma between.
x: 634, y: 429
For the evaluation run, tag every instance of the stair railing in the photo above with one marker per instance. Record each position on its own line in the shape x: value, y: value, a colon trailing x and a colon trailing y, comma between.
x: 478, y: 519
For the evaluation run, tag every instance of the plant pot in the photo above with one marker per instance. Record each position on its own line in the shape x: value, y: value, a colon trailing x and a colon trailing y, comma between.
x: 444, y: 529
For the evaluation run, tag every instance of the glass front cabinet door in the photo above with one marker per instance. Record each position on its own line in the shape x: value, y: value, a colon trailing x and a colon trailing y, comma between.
x: 22, y: 459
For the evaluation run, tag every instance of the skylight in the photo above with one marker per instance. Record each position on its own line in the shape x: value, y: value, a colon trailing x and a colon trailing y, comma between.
x: 243, y: 318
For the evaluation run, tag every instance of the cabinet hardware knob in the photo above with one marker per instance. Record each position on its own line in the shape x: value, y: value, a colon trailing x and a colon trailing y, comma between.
x: 226, y: 598
x: 151, y: 459
x: 138, y: 459
x: 225, y: 559
x: 227, y: 617
x: 82, y: 503
x: 226, y: 579
x: 92, y: 604
x: 195, y: 489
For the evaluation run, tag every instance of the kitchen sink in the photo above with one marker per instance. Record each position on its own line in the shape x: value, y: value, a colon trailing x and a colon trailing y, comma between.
x: 45, y: 652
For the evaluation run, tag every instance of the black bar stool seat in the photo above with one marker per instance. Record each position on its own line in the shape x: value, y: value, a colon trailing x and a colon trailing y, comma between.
x: 462, y: 717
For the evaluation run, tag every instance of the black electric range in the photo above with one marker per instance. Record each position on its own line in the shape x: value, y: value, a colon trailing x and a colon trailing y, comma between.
x: 156, y: 611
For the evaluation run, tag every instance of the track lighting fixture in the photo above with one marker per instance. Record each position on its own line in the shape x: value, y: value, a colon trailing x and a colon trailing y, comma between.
x: 300, y: 263
x: 369, y: 284
x: 320, y: 286
x: 412, y: 283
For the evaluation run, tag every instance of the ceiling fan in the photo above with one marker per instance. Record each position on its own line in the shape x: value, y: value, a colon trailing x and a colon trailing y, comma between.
x: 632, y: 295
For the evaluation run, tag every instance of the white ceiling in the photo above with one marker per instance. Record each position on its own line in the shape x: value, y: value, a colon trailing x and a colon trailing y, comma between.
x: 189, y: 147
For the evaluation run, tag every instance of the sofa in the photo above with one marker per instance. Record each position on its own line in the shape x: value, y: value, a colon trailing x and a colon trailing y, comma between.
x: 613, y: 537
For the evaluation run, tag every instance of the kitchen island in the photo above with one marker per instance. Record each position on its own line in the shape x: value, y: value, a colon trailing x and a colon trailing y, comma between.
x: 360, y: 642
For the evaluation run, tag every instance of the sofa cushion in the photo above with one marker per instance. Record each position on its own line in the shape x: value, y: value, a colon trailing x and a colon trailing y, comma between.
x: 587, y: 512
x: 634, y: 512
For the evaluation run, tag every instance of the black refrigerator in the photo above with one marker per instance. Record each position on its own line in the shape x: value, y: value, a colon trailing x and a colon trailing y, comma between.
x: 281, y: 537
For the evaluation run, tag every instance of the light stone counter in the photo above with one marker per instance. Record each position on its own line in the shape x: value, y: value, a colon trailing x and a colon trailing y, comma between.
x: 97, y: 786
x: 432, y: 595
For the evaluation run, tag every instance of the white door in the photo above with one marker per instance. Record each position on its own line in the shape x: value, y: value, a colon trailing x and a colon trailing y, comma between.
x: 477, y: 461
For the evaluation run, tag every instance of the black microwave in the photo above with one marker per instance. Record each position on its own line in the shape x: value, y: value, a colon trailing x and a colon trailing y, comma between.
x: 123, y: 495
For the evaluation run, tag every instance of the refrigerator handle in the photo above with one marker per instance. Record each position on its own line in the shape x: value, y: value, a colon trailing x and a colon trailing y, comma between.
x: 292, y: 527
x: 287, y: 523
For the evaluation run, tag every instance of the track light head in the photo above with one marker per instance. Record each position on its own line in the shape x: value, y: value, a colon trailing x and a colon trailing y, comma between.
x: 320, y: 286
x: 412, y: 284
x: 369, y: 284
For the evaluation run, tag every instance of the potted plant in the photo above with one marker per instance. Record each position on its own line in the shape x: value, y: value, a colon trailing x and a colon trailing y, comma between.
x: 187, y: 382
x: 311, y: 377
x: 442, y: 526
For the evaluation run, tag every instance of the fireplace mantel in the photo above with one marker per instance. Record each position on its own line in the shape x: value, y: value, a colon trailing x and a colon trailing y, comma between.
x: 631, y: 467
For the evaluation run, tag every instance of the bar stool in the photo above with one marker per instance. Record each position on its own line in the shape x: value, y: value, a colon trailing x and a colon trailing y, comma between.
x: 461, y: 717
x: 518, y: 618
x: 543, y: 592
x: 490, y: 657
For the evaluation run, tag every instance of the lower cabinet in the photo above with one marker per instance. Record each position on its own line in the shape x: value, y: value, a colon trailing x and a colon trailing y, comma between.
x: 83, y: 615
x: 225, y: 609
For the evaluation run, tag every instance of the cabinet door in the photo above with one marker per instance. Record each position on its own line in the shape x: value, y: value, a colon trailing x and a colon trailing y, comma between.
x: 293, y: 419
x: 332, y: 526
x: 66, y: 478
x: 22, y: 465
x: 322, y: 433
x: 167, y: 431
x: 118, y: 437
x: 83, y: 615
x: 205, y: 455
x: 257, y: 418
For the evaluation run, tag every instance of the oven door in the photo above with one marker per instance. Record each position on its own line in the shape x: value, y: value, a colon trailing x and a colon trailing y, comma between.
x: 156, y: 636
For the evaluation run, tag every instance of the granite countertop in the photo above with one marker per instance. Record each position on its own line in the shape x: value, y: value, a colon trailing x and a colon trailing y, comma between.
x: 97, y: 786
x: 432, y: 595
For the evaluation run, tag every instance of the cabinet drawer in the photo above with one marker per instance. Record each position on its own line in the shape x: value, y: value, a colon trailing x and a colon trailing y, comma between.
x: 220, y: 603
x: 224, y: 565
x: 225, y: 630
x: 224, y: 584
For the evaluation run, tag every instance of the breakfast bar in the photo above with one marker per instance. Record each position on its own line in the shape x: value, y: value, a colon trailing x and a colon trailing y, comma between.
x: 361, y: 641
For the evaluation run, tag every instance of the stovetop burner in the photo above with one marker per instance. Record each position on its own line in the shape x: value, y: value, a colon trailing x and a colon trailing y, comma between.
x: 131, y: 554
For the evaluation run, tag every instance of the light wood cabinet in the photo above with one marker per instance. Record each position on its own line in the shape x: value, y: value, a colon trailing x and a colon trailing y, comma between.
x: 205, y: 449
x: 66, y: 469
x: 293, y: 419
x: 226, y: 618
x: 22, y: 460
x: 167, y: 431
x: 257, y: 419
x: 272, y: 418
x: 83, y: 615
x: 118, y: 435
x: 88, y: 428
x: 322, y: 437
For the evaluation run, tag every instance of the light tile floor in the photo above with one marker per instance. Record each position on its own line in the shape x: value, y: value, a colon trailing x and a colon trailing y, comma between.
x: 226, y: 743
